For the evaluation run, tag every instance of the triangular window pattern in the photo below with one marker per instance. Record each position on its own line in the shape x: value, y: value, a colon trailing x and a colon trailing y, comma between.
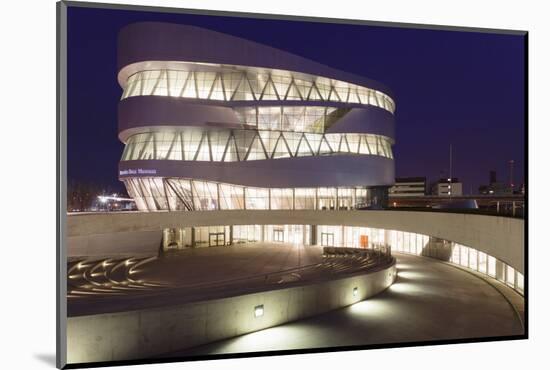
x: 304, y: 149
x: 244, y: 139
x: 161, y: 86
x: 344, y: 147
x: 203, y: 152
x: 293, y: 93
x: 189, y: 89
x: 217, y: 92
x: 231, y: 153
x: 269, y: 92
x: 324, y: 148
x: 314, y: 93
x: 231, y: 82
x: 292, y: 139
x: 314, y: 141
x: 281, y: 148
x: 353, y: 97
x: 256, y: 150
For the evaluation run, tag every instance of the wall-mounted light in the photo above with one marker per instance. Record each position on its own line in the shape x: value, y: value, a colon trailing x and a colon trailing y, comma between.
x: 355, y: 291
x: 259, y: 311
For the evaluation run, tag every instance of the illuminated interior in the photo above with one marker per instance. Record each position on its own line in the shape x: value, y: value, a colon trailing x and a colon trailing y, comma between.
x: 351, y: 237
x: 238, y: 83
x: 194, y: 144
x: 177, y: 194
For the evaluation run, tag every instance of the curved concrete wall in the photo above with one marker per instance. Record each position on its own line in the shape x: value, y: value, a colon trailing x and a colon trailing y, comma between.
x: 369, y: 119
x: 146, y: 333
x: 154, y: 41
x: 314, y: 171
x: 150, y: 111
x: 138, y: 113
x: 500, y: 237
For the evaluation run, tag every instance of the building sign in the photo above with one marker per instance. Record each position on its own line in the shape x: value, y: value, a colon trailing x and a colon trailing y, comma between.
x: 139, y: 171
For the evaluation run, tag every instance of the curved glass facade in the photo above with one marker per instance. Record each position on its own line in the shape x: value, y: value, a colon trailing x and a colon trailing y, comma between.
x: 177, y: 194
x: 238, y: 83
x: 222, y: 145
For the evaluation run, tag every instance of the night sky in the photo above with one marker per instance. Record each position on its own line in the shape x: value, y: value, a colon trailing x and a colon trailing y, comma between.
x: 463, y: 88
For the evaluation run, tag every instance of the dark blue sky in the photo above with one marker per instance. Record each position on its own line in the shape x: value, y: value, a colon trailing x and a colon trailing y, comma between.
x: 463, y: 88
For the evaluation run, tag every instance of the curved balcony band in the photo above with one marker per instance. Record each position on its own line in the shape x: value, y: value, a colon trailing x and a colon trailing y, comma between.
x: 140, y: 114
x: 342, y: 170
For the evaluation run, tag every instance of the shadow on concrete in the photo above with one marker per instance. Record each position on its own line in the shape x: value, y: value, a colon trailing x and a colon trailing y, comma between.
x: 46, y: 358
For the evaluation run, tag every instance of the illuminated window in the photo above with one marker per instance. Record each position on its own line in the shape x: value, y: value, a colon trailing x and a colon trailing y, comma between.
x: 510, y: 276
x: 249, y: 84
x: 491, y: 266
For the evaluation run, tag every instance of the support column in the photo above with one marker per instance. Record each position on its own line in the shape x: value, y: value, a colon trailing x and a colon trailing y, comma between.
x: 262, y: 236
x: 193, y: 237
x: 230, y: 234
x: 313, y: 234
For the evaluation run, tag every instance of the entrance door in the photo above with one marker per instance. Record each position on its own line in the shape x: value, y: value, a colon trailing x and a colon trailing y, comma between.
x: 278, y: 236
x: 216, y: 239
x: 327, y: 239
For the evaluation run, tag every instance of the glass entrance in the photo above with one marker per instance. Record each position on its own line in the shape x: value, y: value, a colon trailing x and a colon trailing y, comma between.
x: 327, y: 239
x: 216, y: 239
x: 278, y: 236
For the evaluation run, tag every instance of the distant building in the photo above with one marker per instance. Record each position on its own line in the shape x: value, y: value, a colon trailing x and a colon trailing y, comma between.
x: 442, y: 187
x: 495, y: 187
x: 408, y: 187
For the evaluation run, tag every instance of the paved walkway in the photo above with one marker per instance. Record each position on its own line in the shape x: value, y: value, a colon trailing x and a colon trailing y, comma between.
x: 429, y: 301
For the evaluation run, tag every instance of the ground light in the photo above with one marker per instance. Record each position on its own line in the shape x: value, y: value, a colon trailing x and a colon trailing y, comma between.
x: 259, y: 311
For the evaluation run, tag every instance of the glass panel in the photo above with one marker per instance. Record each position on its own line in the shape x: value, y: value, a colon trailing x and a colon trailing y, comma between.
x: 231, y: 81
x: 281, y: 84
x: 482, y: 262
x: 203, y: 153
x: 218, y: 142
x: 473, y: 259
x: 304, y: 198
x: 176, y: 81
x: 257, y: 198
x: 455, y: 257
x: 353, y: 142
x: 314, y: 141
x: 281, y: 149
x: 204, y: 81
x: 293, y: 92
x: 519, y: 281
x: 491, y: 266
x: 269, y: 139
x: 269, y: 118
x: 281, y: 198
x: 205, y: 195
x: 191, y: 141
x: 256, y: 151
x: 190, y: 89
x: 292, y: 139
x: 243, y: 140
x: 231, y: 153
x: 510, y: 276
x: 269, y: 92
x: 217, y: 92
x: 304, y: 149
x: 231, y: 197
